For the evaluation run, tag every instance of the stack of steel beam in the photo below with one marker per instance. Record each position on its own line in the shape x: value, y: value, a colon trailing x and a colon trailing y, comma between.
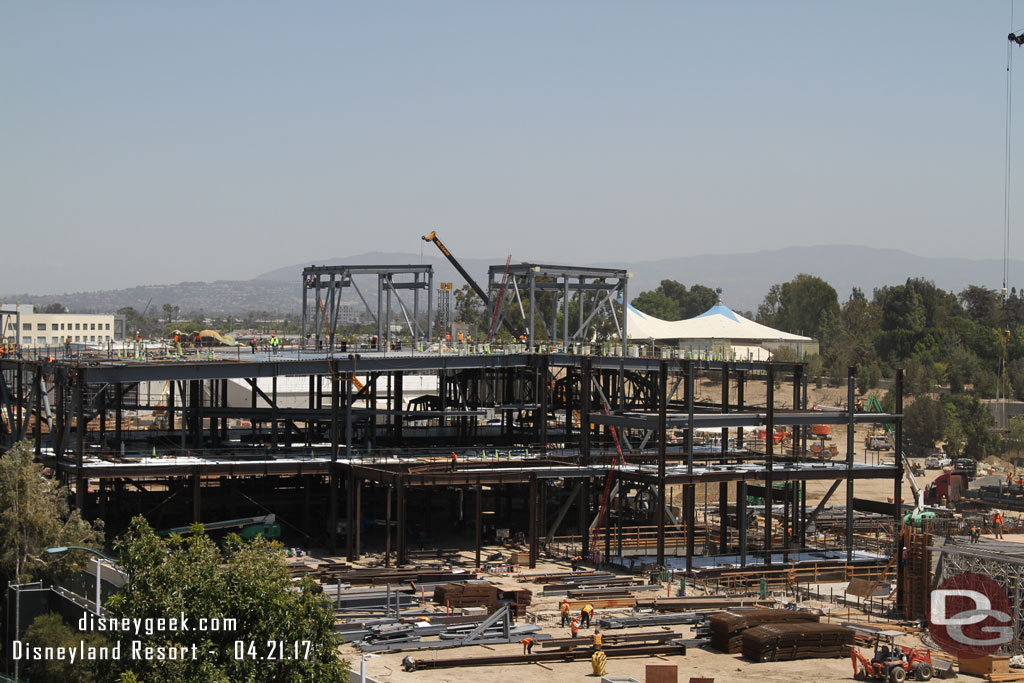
x: 727, y: 627
x: 804, y: 640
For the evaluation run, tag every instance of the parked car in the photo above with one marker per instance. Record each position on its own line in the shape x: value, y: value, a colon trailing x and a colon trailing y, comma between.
x: 937, y: 461
x: 968, y: 465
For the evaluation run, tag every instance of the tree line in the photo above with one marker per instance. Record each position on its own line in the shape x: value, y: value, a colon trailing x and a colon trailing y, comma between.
x: 955, y: 347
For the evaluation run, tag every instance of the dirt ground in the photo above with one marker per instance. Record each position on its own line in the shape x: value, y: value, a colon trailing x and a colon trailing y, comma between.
x: 698, y: 661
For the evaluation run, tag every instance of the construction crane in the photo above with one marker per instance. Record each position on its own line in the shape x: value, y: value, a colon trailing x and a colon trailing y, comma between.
x: 432, y: 237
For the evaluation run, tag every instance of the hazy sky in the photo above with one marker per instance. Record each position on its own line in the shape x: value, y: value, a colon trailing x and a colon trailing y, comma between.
x: 155, y: 142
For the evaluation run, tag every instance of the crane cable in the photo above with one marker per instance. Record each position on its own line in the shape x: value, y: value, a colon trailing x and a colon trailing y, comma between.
x: 1007, y: 159
x: 1006, y: 197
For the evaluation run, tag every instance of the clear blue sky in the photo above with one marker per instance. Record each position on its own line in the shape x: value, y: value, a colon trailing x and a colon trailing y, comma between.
x: 155, y: 142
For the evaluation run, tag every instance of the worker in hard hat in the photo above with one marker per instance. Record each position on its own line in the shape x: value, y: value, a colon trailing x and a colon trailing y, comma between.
x: 997, y: 522
x: 586, y: 614
x: 595, y: 639
x: 563, y: 607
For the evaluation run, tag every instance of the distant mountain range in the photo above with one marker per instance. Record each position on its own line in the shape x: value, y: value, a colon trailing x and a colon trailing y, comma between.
x: 743, y: 277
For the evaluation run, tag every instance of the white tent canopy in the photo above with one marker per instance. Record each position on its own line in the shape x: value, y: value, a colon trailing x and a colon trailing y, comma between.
x: 718, y: 322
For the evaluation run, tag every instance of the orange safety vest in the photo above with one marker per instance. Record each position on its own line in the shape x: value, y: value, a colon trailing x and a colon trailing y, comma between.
x: 564, y: 607
x: 597, y: 640
x: 998, y: 519
x: 589, y: 609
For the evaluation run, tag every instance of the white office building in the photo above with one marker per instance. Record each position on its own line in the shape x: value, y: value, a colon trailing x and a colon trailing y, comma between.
x: 33, y: 330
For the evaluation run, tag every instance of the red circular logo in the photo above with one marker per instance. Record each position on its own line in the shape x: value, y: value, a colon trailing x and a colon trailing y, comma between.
x: 969, y: 615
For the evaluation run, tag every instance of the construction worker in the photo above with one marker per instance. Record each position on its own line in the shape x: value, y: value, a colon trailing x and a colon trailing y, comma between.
x: 974, y: 533
x: 574, y: 627
x: 563, y: 607
x: 455, y: 461
x: 997, y: 522
x: 527, y: 646
x: 595, y: 639
x: 253, y: 343
x: 274, y: 343
x: 575, y: 560
x: 177, y: 343
x: 586, y: 614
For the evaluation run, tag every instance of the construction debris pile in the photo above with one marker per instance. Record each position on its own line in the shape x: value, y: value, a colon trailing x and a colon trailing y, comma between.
x: 801, y: 640
x: 727, y: 628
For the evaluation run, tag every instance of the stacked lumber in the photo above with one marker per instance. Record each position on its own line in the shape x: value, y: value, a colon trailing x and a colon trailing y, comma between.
x: 727, y: 627
x: 482, y: 594
x: 801, y: 640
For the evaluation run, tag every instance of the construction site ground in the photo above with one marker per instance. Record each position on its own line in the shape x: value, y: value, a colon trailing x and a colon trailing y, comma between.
x: 698, y: 662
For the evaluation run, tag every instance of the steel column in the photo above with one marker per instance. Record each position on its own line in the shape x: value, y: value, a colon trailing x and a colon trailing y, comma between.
x: 897, y: 499
x: 849, y: 463
x: 662, y: 420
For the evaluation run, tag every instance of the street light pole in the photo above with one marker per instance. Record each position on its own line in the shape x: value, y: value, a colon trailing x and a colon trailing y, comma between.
x: 362, y: 666
x: 99, y: 567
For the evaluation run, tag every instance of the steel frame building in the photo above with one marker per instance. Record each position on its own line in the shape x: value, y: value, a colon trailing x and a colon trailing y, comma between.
x: 351, y: 451
x: 327, y: 283
x: 565, y: 283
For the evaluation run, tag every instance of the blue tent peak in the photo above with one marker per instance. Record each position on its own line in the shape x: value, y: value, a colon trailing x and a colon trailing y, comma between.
x: 720, y: 309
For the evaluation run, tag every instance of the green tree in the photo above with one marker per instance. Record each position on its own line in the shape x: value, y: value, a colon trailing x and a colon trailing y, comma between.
x: 50, y: 630
x: 970, y: 426
x: 34, y: 516
x: 248, y: 582
x: 657, y: 304
x: 673, y: 301
x: 805, y: 305
x: 470, y: 310
x: 1015, y: 437
x: 925, y: 421
x: 982, y: 305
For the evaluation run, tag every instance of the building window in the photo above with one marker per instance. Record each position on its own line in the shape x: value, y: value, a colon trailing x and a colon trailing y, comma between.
x: 77, y: 326
x: 77, y: 338
x: 53, y: 326
x: 26, y: 326
x: 93, y: 326
x: 55, y: 340
x: 41, y: 341
x: 62, y: 326
x: 108, y: 326
x: 41, y: 326
x: 27, y: 341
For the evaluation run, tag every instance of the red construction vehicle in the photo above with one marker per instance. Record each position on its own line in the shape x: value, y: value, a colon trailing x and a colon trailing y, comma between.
x: 947, y: 488
x: 892, y: 662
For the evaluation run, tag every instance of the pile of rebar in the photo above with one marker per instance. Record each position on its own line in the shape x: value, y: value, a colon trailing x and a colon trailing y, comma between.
x: 803, y: 640
x: 727, y: 628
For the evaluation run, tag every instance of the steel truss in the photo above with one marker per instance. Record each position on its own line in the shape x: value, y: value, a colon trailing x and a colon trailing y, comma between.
x: 328, y: 283
x: 549, y: 290
x: 1003, y: 568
